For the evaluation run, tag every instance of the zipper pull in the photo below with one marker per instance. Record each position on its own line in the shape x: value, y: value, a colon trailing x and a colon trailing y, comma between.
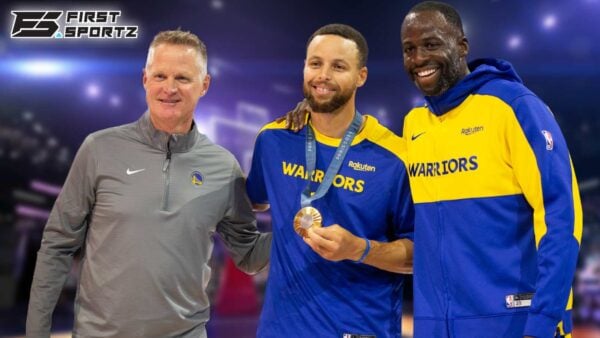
x: 168, y: 159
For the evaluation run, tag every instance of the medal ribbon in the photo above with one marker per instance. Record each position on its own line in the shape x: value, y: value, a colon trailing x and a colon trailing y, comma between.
x: 338, y: 158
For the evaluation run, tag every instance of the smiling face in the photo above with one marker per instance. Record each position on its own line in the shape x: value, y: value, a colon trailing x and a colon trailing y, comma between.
x: 434, y: 52
x: 331, y: 73
x: 174, y: 82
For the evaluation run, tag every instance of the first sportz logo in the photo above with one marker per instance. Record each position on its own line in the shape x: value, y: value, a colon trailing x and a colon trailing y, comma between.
x: 76, y: 24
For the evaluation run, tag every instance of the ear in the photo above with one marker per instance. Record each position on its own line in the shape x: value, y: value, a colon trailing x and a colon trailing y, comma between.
x: 144, y: 78
x: 463, y: 45
x: 362, y: 76
x: 205, y: 85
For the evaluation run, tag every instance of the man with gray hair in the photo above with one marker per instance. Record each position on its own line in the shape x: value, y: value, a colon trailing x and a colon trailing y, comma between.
x: 142, y: 201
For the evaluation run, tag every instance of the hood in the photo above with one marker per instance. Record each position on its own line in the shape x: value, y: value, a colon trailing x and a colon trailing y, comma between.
x: 482, y: 72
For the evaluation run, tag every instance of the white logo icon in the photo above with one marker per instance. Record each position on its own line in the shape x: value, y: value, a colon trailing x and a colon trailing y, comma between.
x: 131, y: 172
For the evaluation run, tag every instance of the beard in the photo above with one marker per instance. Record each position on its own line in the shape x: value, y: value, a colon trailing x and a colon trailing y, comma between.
x: 448, y: 78
x: 339, y: 99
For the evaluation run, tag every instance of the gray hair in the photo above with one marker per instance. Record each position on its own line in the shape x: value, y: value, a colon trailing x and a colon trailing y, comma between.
x: 182, y: 38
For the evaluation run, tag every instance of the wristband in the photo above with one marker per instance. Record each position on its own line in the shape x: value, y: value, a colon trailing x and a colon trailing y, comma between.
x: 364, y: 255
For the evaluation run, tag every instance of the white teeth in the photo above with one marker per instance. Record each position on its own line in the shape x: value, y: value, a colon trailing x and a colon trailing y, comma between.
x: 322, y: 90
x: 427, y: 72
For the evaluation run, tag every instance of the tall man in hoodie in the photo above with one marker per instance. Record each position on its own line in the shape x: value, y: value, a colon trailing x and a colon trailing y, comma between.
x: 498, y: 214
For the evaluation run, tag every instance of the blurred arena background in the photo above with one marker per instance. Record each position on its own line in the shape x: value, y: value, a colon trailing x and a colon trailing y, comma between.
x: 54, y: 92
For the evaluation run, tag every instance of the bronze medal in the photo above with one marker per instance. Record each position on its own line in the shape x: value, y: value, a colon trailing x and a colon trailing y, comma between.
x: 305, y: 218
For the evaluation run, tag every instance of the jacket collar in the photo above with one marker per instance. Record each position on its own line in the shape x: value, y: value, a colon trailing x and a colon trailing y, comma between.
x: 176, y: 143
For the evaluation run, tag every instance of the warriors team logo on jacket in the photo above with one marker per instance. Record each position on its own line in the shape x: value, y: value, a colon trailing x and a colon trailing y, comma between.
x: 197, y: 179
x: 549, y: 141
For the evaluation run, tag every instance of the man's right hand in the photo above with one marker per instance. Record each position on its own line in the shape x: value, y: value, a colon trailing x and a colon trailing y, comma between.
x: 296, y: 119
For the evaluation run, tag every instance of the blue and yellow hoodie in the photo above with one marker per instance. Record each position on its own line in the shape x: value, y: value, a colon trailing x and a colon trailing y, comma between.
x: 498, y: 213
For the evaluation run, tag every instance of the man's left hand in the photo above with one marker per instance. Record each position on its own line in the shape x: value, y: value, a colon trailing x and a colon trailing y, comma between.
x: 335, y: 243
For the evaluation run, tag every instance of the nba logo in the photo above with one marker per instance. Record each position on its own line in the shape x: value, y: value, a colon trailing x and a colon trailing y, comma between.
x: 549, y: 141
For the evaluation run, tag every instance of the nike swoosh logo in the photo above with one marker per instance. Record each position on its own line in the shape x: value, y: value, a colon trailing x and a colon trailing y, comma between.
x: 131, y: 172
x: 414, y: 137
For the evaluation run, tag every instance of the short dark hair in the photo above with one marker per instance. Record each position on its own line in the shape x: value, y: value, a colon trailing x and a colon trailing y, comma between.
x: 450, y: 13
x: 345, y: 32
